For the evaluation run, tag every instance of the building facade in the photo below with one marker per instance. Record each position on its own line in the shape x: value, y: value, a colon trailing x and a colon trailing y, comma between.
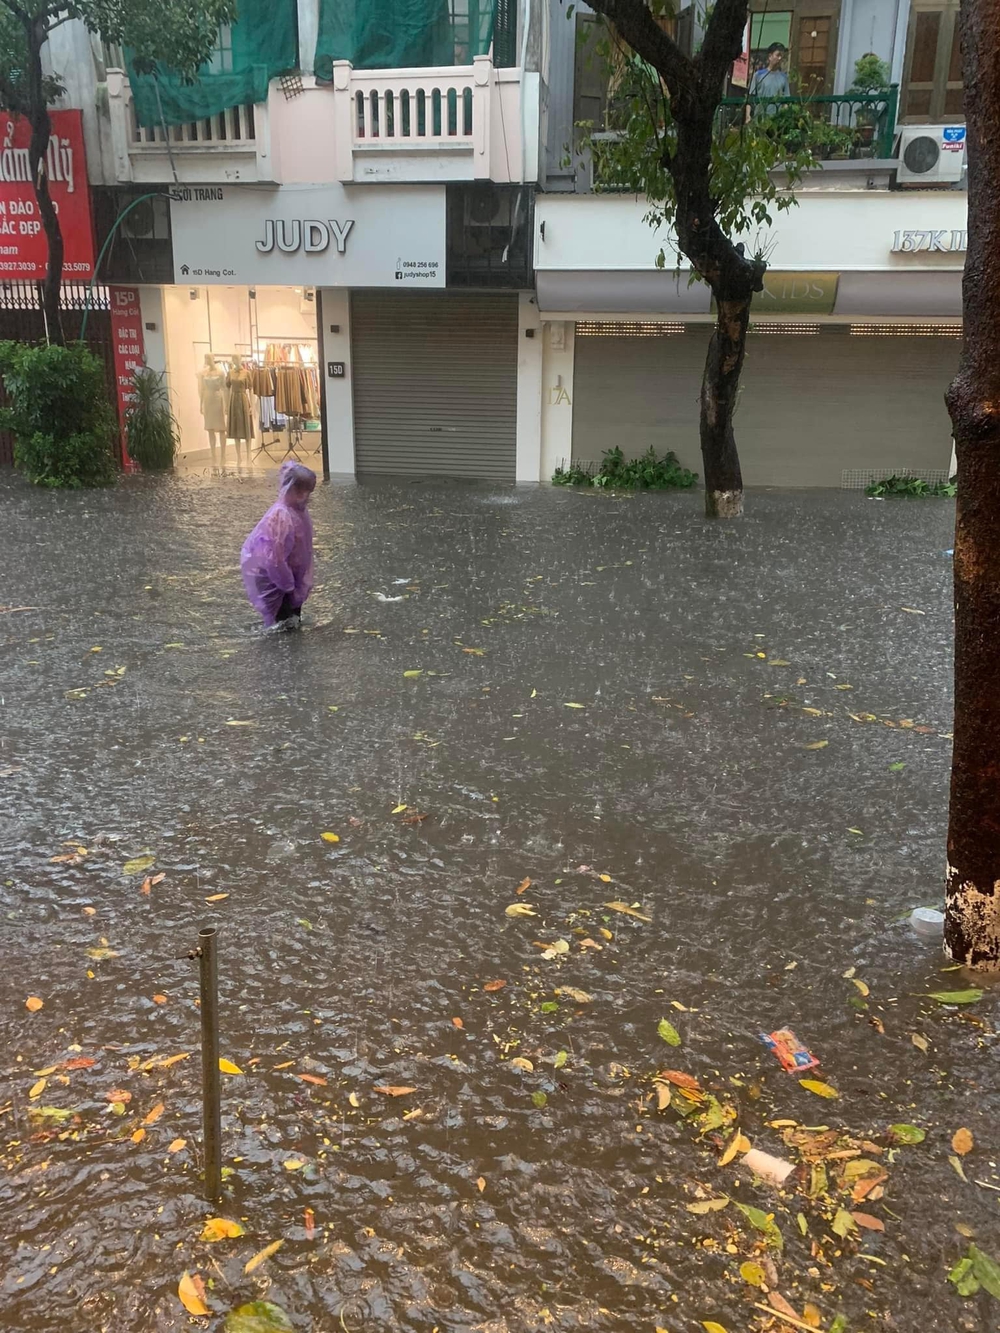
x: 416, y: 268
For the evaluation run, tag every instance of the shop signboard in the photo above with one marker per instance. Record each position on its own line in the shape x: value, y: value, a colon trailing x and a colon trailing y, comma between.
x: 127, y: 339
x: 24, y: 250
x: 320, y: 236
x: 796, y: 293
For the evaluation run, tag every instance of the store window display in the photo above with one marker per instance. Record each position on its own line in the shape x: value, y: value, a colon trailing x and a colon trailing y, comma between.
x: 242, y: 366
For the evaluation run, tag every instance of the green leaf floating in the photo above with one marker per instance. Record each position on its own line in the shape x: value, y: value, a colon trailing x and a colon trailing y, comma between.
x: 668, y: 1032
x: 258, y: 1317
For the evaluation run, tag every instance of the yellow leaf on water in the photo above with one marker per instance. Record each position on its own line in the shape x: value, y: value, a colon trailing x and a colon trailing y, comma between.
x: 573, y: 993
x: 565, y: 705
x: 332, y: 837
x: 354, y: 1100
x: 710, y: 1326
x: 220, y: 1228
x: 819, y: 1088
x: 962, y: 1141
x: 921, y: 1043
x: 138, y: 864
x: 191, y: 1290
x: 704, y: 1206
x: 293, y: 1164
x: 754, y: 1274
x: 816, y: 745
x: 520, y: 909
x: 626, y: 910
x: 397, y: 811
x: 481, y: 1184
x: 227, y: 1067
x: 154, y: 1114
x: 138, y: 1135
x: 519, y: 1062
x: 238, y: 722
x: 393, y: 1091
x: 262, y: 1256
x: 737, y: 1144
x: 178, y: 1145
x: 860, y: 985
x: 38, y: 1088
x: 217, y: 897
x: 605, y: 878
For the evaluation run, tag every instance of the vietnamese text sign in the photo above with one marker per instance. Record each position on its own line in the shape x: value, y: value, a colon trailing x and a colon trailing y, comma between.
x: 322, y: 236
x: 24, y: 251
x: 126, y: 333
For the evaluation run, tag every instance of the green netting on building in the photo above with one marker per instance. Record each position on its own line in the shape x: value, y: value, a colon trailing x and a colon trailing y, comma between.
x: 399, y: 34
x: 261, y: 44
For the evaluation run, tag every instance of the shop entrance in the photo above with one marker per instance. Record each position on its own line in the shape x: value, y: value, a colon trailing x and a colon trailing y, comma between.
x: 243, y: 375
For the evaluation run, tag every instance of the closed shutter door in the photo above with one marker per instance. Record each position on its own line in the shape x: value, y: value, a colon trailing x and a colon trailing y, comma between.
x: 435, y: 383
x: 811, y: 406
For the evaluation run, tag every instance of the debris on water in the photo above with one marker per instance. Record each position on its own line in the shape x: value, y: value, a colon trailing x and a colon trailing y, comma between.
x: 927, y: 922
x: 773, y: 1169
x: 792, y: 1055
x: 381, y: 597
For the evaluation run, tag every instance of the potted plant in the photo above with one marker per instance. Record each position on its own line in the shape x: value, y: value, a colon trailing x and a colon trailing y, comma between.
x: 871, y: 75
x: 827, y: 140
x: 151, y: 432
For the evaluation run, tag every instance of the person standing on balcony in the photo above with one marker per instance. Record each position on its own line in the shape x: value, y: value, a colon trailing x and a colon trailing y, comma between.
x: 770, y: 81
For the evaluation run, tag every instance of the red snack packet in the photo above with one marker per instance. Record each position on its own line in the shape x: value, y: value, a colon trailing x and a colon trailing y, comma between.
x: 792, y: 1055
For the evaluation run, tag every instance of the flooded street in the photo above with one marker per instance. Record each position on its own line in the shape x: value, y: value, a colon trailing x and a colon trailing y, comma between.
x: 740, y: 733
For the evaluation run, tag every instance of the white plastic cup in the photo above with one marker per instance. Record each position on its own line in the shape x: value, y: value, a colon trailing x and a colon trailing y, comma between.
x: 927, y: 922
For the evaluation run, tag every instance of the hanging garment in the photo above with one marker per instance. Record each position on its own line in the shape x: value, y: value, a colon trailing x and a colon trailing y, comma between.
x: 240, y: 423
x: 268, y: 416
x: 262, y: 381
x: 212, y: 398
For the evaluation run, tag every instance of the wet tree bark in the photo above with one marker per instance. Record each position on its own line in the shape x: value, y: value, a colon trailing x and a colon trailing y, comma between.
x: 695, y: 85
x: 972, y: 924
x: 41, y: 132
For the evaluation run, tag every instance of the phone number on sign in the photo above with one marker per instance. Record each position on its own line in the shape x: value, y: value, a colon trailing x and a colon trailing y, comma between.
x: 26, y: 266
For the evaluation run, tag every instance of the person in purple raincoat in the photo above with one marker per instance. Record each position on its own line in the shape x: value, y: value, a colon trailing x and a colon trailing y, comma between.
x: 277, y: 558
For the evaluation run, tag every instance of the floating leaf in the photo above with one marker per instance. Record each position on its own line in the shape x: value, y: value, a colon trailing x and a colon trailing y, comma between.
x: 519, y: 1062
x: 38, y: 1088
x: 565, y: 705
x: 561, y: 1058
x: 921, y: 1043
x: 572, y: 993
x: 397, y: 811
x: 710, y: 1326
x: 955, y: 996
x: 524, y: 885
x: 216, y: 897
x: 627, y: 911
x: 262, y: 1255
x: 492, y: 986
x: 138, y: 864
x: 663, y: 1095
x: 33, y: 1004
x: 178, y: 1145
x: 334, y: 837
x: 843, y: 1224
x: 293, y: 1164
x: 681, y: 1080
x: 191, y: 1290
x: 704, y: 1206
x: 159, y: 999
x: 520, y: 909
x: 227, y: 1067
x: 962, y: 1141
x: 965, y: 1280
x: 258, y: 1317
x: 118, y: 1095
x: 220, y: 1228
x: 909, y: 1134
x: 816, y: 745
x: 539, y: 1099
x: 754, y: 1274
x: 763, y: 1222
x: 668, y: 1032
x: 392, y: 1091
x: 239, y: 722
x: 861, y: 986
x: 318, y: 1079
x: 154, y: 1114
x: 819, y: 1088
x: 102, y: 953
x: 481, y: 1183
x: 986, y: 1270
x: 958, y: 1168
x: 737, y: 1144
x: 412, y: 675
x: 868, y: 1222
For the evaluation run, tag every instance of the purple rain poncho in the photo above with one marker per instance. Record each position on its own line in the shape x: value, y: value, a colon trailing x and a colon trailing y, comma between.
x: 277, y: 558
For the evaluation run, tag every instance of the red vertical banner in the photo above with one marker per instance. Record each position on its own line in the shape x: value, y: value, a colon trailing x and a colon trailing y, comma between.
x: 24, y: 251
x: 126, y: 334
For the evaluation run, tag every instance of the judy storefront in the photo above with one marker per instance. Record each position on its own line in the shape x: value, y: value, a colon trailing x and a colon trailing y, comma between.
x: 255, y: 333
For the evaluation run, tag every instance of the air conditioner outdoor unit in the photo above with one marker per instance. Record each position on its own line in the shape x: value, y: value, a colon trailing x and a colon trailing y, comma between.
x: 487, y: 206
x: 930, y: 154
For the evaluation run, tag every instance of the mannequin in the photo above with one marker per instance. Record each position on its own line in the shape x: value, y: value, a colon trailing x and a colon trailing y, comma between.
x: 212, y: 401
x: 240, y: 416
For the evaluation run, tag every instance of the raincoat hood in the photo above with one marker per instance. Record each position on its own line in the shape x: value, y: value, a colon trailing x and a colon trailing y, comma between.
x: 293, y: 477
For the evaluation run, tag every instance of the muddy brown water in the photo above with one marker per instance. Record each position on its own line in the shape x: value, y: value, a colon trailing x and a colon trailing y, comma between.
x: 767, y: 869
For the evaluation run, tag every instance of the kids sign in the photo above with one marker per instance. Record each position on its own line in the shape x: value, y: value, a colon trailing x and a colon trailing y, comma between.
x: 24, y: 251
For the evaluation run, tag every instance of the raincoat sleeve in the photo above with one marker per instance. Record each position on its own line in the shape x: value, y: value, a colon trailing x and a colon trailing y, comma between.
x: 274, y: 549
x: 304, y: 573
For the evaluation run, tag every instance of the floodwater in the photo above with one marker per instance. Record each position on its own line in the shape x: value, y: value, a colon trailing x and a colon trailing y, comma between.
x: 617, y: 702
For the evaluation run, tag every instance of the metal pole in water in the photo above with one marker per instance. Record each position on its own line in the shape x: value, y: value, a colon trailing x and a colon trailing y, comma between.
x: 210, y: 1083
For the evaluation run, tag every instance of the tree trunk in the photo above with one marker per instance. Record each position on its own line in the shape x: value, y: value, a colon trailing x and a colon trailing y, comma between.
x: 41, y: 132
x: 719, y: 388
x: 972, y: 925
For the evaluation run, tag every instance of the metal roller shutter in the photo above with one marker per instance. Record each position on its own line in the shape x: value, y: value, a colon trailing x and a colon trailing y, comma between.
x: 435, y: 383
x: 813, y: 405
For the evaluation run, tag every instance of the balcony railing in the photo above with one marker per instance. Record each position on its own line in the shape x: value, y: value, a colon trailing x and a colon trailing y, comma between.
x: 408, y: 110
x: 232, y: 128
x: 828, y: 125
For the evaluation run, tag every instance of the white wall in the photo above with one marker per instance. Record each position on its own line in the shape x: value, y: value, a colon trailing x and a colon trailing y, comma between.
x: 557, y: 395
x: 71, y: 54
x: 529, y: 389
x: 826, y: 230
x: 339, y: 392
x: 871, y: 25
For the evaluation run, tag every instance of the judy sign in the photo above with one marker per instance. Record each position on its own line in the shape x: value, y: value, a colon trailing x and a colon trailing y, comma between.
x: 320, y: 236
